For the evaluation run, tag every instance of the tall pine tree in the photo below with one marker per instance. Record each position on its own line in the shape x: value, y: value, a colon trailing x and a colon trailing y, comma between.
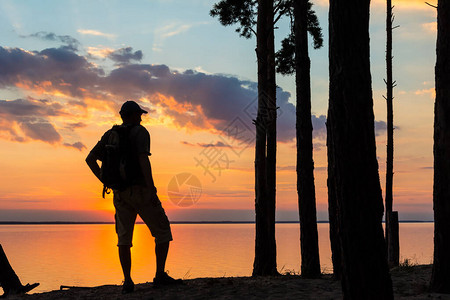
x: 440, y: 281
x: 294, y: 58
x: 355, y: 180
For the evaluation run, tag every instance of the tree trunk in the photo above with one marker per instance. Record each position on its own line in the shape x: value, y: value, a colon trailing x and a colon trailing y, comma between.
x: 333, y: 214
x: 391, y: 225
x: 309, y: 242
x: 393, y: 239
x: 265, y: 245
x: 365, y: 273
x: 440, y: 281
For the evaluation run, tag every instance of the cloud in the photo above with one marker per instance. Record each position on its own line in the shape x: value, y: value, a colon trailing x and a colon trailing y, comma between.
x: 431, y: 92
x: 48, y: 70
x: 71, y: 42
x: 216, y: 144
x: 40, y: 130
x: 191, y: 100
x: 30, y: 107
x: 125, y: 55
x: 286, y: 168
x: 78, y: 145
x: 28, y: 119
x: 319, y: 126
x: 73, y: 126
x: 206, y: 145
x: 96, y: 33
x: 430, y: 27
x: 171, y: 30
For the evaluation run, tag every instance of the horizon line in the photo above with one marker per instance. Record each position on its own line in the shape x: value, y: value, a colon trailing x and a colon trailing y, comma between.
x: 172, y: 222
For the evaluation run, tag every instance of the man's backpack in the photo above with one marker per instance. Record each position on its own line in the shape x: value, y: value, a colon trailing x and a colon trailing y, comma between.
x: 120, y: 165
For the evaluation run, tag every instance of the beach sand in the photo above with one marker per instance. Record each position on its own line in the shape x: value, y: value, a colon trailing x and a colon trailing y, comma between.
x: 410, y: 282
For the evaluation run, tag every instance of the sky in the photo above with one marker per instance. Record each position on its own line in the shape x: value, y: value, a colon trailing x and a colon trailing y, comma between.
x: 67, y: 66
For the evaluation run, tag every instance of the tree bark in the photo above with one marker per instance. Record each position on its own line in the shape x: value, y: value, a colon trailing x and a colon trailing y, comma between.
x: 309, y: 242
x: 265, y: 162
x: 365, y: 273
x: 393, y: 245
x: 333, y: 214
x: 440, y: 281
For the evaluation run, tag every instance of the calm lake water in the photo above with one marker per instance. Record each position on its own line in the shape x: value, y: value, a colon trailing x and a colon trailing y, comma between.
x: 86, y: 255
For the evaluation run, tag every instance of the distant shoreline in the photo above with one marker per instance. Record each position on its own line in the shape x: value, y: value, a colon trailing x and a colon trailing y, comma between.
x: 173, y: 222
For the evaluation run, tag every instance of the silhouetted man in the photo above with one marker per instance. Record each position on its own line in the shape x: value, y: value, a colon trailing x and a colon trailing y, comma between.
x: 138, y: 197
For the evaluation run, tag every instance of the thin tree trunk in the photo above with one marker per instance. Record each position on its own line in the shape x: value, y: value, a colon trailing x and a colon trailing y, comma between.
x: 265, y: 245
x: 365, y: 273
x: 391, y: 224
x: 309, y: 242
x: 440, y: 281
x: 390, y: 114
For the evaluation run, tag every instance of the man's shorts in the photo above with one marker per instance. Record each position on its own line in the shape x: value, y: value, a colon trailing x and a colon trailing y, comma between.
x: 140, y: 200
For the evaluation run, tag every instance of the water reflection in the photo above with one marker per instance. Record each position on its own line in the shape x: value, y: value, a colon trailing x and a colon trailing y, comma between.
x: 86, y: 255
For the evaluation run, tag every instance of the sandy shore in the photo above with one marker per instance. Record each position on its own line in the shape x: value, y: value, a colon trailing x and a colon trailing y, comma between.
x: 409, y: 282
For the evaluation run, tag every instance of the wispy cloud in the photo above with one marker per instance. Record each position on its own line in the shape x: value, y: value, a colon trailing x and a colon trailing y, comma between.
x: 170, y: 30
x: 71, y: 42
x: 431, y: 92
x: 430, y: 27
x: 99, y: 52
x: 173, y: 29
x: 96, y: 33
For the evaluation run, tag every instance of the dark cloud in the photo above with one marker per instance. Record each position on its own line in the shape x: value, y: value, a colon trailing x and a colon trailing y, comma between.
x: 73, y: 126
x: 30, y: 107
x: 214, y: 99
x: 216, y: 144
x: 319, y: 126
x: 187, y: 143
x: 57, y: 69
x: 427, y: 168
x: 125, y: 55
x: 78, y: 145
x: 192, y: 99
x: 27, y: 119
x: 40, y: 130
x: 380, y: 128
x: 286, y: 168
x: 70, y: 42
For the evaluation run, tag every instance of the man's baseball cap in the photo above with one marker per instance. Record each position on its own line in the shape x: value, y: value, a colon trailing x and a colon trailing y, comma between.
x: 130, y: 107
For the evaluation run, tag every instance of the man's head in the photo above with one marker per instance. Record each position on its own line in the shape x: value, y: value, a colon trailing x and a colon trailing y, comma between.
x: 131, y: 112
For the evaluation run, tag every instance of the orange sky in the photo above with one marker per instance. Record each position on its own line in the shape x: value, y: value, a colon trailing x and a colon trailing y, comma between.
x: 60, y: 92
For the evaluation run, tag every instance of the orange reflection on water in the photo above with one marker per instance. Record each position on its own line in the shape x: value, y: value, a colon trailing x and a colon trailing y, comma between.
x: 86, y: 255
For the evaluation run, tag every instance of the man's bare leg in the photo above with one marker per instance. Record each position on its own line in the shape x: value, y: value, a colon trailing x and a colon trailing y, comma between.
x: 161, y: 251
x: 125, y: 261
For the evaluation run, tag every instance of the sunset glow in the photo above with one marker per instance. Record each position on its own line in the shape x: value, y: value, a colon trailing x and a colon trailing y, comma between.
x: 65, y: 74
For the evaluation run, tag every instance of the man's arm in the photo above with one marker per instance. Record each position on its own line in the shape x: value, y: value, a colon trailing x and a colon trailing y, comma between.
x: 91, y: 161
x: 146, y: 168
